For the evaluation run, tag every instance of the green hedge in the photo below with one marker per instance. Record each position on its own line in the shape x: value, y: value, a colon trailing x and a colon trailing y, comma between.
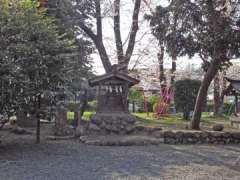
x: 185, y: 95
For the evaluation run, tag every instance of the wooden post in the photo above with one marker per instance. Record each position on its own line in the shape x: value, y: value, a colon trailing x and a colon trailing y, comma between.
x: 38, y: 119
x: 133, y: 106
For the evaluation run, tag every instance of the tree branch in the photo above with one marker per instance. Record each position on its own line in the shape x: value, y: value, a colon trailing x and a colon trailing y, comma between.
x: 98, y: 38
x: 99, y: 19
x: 88, y: 31
x: 133, y: 32
x: 99, y: 42
x: 117, y: 30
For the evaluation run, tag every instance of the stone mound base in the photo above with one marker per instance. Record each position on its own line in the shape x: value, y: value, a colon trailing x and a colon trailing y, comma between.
x: 117, y: 123
x: 120, y: 140
x: 89, y: 128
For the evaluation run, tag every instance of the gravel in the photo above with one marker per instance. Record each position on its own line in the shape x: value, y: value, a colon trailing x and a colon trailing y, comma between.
x: 21, y: 159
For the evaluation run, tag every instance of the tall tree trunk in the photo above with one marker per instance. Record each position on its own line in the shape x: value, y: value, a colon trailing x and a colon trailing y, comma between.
x: 223, y: 88
x: 162, y: 78
x: 203, y: 92
x: 217, y: 94
x: 173, y: 70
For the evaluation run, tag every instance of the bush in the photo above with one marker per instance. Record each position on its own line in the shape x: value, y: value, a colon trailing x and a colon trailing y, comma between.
x: 185, y: 95
x: 153, y: 100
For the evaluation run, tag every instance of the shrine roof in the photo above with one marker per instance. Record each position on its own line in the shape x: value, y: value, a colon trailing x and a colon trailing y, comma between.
x: 234, y: 87
x: 233, y: 80
x: 115, y: 75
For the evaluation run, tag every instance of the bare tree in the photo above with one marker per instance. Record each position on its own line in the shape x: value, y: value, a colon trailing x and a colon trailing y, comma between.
x: 97, y: 38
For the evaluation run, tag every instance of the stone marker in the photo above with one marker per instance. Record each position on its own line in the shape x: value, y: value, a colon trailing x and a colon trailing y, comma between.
x: 61, y: 126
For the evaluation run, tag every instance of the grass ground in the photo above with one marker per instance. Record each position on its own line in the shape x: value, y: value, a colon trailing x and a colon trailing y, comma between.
x: 171, y: 121
x: 177, y: 122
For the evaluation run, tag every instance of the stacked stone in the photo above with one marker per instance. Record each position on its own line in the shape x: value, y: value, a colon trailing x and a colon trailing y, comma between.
x: 121, y: 123
x: 200, y: 137
x: 61, y: 125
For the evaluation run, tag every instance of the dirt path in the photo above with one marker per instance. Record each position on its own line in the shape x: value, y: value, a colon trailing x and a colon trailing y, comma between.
x: 21, y: 159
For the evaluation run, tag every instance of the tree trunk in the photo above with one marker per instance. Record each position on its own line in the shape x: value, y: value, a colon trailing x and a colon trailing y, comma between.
x: 223, y: 88
x: 203, y: 92
x: 103, y: 55
x: 217, y: 95
x: 174, y: 68
x: 162, y: 78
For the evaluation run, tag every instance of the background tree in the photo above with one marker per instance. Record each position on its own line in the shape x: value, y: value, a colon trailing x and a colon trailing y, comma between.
x: 78, y: 67
x: 209, y: 29
x: 219, y: 87
x: 164, y: 25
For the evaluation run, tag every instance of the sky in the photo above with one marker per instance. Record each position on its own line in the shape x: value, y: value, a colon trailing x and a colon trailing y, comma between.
x: 146, y: 49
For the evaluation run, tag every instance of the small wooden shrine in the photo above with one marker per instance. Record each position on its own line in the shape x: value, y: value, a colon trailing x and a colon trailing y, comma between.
x: 112, y: 109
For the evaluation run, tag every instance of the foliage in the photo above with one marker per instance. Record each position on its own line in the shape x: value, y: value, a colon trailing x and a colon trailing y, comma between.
x: 135, y: 96
x: 197, y: 27
x: 33, y: 53
x: 153, y: 99
x: 78, y: 67
x: 186, y: 92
